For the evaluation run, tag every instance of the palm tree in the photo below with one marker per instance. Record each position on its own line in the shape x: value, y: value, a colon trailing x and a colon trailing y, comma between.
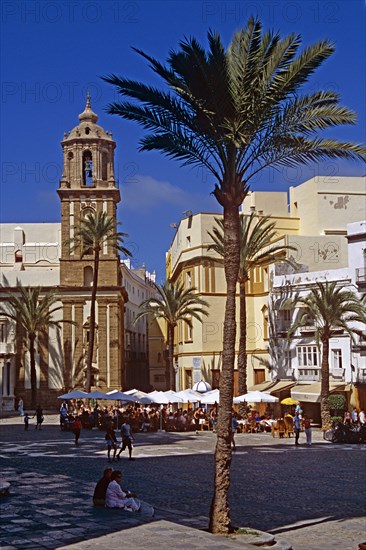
x: 34, y: 314
x: 331, y: 309
x: 173, y: 303
x: 236, y: 111
x: 95, y: 230
x: 257, y: 233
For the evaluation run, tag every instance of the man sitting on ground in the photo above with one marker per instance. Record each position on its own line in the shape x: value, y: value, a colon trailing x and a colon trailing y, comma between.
x: 117, y: 498
x: 101, y: 488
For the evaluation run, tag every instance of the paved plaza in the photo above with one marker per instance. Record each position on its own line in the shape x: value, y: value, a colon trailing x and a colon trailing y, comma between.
x: 310, y: 497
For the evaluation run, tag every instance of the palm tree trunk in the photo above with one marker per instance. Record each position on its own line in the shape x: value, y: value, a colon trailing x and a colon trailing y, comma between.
x: 33, y: 374
x: 92, y: 322
x: 242, y: 355
x: 324, y: 389
x: 171, y: 357
x: 220, y: 522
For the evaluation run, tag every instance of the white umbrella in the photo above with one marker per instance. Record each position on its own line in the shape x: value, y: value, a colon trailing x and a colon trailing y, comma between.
x: 120, y: 396
x: 75, y: 394
x: 161, y: 397
x: 96, y: 395
x: 189, y: 396
x: 210, y: 397
x: 256, y: 397
x: 202, y: 386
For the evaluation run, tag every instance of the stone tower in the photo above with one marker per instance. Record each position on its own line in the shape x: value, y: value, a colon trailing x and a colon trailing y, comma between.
x: 88, y: 185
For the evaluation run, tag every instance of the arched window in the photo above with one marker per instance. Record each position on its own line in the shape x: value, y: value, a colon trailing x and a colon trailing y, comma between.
x: 88, y: 276
x: 87, y: 168
x: 18, y: 256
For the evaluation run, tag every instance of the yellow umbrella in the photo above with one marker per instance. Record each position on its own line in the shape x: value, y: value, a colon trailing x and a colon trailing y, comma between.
x: 289, y: 401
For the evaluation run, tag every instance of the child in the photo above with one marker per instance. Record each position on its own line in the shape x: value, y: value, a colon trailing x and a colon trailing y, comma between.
x: 26, y: 421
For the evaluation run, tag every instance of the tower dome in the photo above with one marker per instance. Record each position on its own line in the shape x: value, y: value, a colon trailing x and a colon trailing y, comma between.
x: 88, y: 155
x: 88, y: 127
x: 88, y: 114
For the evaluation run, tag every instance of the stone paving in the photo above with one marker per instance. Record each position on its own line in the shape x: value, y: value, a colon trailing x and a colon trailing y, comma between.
x: 311, y: 497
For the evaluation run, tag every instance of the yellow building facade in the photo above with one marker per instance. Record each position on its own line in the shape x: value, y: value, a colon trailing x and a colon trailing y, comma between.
x: 312, y: 217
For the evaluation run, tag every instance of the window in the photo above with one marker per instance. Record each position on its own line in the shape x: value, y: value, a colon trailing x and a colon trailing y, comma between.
x: 104, y: 166
x: 307, y: 356
x: 18, y: 256
x: 259, y: 376
x: 188, y: 241
x: 2, y: 331
x: 88, y: 276
x: 87, y: 169
x: 287, y: 362
x: 337, y: 359
x: 287, y: 315
x: 189, y: 279
x: 188, y: 333
x: 159, y: 378
x: 308, y: 359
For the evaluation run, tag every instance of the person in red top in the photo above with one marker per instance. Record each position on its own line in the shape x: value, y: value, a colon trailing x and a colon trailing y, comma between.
x: 307, y: 427
x: 76, y: 429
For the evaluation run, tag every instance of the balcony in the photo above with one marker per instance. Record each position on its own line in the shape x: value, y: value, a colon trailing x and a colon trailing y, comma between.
x: 309, y: 375
x: 7, y: 348
x: 361, y: 376
x: 360, y: 345
x: 282, y: 327
x: 336, y: 374
x: 308, y: 329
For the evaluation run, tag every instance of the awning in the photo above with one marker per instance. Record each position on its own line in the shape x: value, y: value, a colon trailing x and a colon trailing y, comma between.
x: 263, y: 386
x: 310, y: 393
x: 281, y: 385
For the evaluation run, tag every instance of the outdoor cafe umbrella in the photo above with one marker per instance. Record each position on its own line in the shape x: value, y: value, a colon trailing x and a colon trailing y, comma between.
x: 75, y: 394
x: 189, y: 396
x: 255, y: 397
x: 210, y: 397
x: 96, y: 395
x: 163, y: 398
x: 120, y: 396
x: 289, y: 401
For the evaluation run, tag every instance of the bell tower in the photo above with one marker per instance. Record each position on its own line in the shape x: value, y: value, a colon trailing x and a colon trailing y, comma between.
x: 88, y: 184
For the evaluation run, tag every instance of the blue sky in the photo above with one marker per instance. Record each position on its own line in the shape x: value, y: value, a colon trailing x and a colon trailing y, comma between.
x: 53, y: 51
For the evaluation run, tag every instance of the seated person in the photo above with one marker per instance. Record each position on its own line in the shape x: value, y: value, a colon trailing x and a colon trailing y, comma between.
x: 116, y: 498
x: 101, y: 488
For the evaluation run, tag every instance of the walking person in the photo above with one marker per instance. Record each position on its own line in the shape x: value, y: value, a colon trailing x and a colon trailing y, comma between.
x: 64, y: 411
x: 196, y: 417
x: 111, y: 440
x: 234, y: 426
x: 127, y: 438
x: 76, y: 429
x: 39, y: 417
x: 21, y: 407
x: 297, y: 427
x: 307, y: 427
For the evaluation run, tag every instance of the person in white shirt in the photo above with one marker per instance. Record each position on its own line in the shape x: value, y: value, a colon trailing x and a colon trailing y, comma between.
x: 117, y: 498
x: 362, y: 417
